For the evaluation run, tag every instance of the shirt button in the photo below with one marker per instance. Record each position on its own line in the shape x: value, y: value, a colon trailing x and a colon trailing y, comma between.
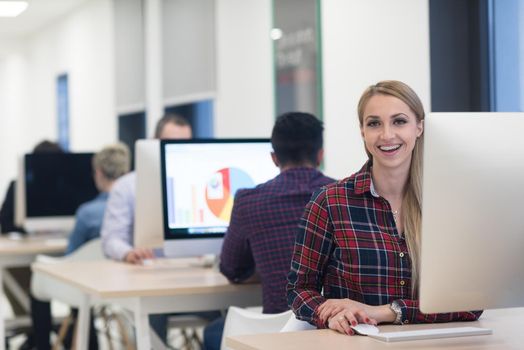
x: 402, y: 282
x: 406, y: 321
x: 401, y: 254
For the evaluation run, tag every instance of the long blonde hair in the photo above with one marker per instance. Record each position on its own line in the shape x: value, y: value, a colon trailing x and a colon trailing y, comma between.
x: 412, y: 201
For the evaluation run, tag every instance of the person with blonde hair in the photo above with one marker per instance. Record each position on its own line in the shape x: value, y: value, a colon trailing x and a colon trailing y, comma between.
x: 109, y: 164
x: 356, y: 256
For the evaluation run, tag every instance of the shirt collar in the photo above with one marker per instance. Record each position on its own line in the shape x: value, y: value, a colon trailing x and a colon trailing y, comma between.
x: 103, y: 195
x: 364, y: 182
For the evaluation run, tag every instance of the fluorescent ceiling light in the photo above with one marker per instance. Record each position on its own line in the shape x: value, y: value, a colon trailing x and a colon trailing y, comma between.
x: 12, y: 8
x: 276, y: 33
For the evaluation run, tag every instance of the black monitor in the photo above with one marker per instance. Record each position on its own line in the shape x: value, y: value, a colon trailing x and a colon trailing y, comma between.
x: 53, y: 187
x: 199, y: 181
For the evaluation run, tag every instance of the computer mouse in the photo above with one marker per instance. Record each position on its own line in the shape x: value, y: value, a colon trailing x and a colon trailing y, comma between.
x: 365, y: 329
x: 148, y: 262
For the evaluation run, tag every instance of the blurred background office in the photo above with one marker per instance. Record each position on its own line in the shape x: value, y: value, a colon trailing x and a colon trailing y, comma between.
x: 90, y: 72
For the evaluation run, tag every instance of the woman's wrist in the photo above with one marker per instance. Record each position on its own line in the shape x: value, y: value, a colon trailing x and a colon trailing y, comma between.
x: 385, y: 314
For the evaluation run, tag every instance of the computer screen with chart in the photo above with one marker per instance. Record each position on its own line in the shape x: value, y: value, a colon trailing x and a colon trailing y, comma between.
x: 201, y: 177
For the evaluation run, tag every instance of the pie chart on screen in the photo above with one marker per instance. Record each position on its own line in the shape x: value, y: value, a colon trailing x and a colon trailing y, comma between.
x: 221, y: 189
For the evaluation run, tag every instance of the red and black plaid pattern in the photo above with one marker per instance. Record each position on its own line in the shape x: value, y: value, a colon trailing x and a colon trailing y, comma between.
x: 262, y: 231
x: 348, y: 247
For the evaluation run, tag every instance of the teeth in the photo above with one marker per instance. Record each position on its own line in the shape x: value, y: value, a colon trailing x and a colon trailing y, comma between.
x: 389, y: 148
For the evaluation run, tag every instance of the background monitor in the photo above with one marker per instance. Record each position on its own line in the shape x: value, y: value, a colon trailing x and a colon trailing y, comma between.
x: 52, y: 187
x: 472, y: 212
x: 149, y: 218
x: 199, y: 181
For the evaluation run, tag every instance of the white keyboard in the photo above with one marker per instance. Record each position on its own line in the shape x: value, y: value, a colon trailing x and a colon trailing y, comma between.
x: 430, y: 334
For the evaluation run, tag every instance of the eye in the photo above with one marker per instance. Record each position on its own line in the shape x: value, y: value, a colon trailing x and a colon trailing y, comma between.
x: 372, y: 123
x: 400, y: 121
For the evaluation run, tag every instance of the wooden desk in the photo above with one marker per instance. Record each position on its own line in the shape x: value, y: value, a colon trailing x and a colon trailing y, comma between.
x: 507, y: 326
x: 22, y: 252
x: 145, y: 290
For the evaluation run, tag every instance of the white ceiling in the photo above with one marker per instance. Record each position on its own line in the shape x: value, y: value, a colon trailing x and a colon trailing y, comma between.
x: 38, y: 15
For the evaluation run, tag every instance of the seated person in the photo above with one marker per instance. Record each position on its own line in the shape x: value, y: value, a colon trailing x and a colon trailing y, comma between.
x: 356, y: 256
x: 109, y: 164
x: 119, y: 217
x: 117, y: 228
x: 22, y: 274
x: 7, y: 213
x: 264, y: 220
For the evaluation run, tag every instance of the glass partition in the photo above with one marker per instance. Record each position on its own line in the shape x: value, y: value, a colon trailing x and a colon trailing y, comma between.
x: 297, y: 56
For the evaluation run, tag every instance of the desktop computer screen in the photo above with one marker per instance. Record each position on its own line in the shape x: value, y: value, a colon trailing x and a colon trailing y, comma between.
x: 200, y: 179
x: 54, y: 186
x: 472, y: 212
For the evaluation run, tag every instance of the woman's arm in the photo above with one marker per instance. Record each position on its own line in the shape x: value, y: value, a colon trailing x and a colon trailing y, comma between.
x: 412, y: 314
x: 334, y: 308
x: 313, y: 246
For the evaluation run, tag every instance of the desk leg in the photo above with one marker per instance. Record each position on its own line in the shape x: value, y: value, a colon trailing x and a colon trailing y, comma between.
x: 143, y: 340
x: 82, y: 324
x: 2, y: 311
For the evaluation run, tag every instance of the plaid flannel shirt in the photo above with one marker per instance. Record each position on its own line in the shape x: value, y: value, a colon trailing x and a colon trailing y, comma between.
x: 348, y: 246
x: 262, y: 231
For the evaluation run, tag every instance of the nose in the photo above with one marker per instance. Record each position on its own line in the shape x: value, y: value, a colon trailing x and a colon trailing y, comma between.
x: 387, y: 132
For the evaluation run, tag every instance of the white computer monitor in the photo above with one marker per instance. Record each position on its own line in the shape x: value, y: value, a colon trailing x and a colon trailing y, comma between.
x: 149, y: 218
x: 472, y: 252
x: 50, y: 188
x: 199, y: 181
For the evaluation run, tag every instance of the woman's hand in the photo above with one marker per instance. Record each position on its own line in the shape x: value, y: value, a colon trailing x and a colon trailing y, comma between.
x: 341, y: 314
x: 354, y: 311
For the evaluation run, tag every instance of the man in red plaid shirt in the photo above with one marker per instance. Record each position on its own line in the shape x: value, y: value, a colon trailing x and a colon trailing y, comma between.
x: 264, y: 220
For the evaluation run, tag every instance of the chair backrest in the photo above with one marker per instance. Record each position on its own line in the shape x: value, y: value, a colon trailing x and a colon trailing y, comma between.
x: 240, y: 321
x: 294, y: 325
x: 91, y: 250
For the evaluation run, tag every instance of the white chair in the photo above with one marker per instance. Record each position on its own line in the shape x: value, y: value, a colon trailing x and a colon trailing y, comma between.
x: 294, y: 325
x: 44, y: 290
x: 40, y: 287
x: 241, y: 321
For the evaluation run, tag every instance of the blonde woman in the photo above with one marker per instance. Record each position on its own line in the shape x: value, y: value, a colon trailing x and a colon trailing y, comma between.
x: 359, y: 238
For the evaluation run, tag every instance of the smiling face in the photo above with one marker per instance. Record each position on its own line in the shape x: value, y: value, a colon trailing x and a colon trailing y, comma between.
x: 390, y: 130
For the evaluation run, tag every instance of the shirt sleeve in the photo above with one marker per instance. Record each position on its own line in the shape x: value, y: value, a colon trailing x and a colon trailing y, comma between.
x: 7, y: 213
x: 311, y: 253
x: 236, y: 259
x: 79, y: 235
x: 117, y: 227
x: 412, y: 314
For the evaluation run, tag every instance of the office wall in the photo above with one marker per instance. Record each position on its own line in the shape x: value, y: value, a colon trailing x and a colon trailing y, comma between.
x: 521, y: 53
x: 363, y: 42
x: 507, y: 45
x: 129, y: 56
x: 188, y: 43
x: 13, y: 106
x: 79, y: 44
x: 244, y: 102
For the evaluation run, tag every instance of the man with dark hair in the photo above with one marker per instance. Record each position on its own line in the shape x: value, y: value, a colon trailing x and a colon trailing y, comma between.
x: 119, y: 218
x: 264, y: 219
x: 174, y: 126
x: 117, y: 228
